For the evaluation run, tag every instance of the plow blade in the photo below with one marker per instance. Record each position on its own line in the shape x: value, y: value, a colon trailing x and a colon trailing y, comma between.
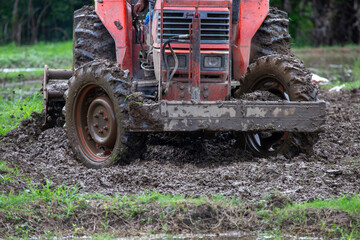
x: 243, y: 116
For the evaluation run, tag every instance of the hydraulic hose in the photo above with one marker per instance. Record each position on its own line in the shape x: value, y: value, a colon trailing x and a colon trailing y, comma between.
x: 168, y: 75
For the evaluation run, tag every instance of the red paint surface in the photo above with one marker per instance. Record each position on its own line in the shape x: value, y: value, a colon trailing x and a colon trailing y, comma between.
x: 110, y: 11
x: 252, y: 14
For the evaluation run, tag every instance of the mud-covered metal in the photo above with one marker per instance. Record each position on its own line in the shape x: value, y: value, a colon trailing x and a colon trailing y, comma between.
x: 54, y: 85
x: 177, y: 116
x: 195, y: 57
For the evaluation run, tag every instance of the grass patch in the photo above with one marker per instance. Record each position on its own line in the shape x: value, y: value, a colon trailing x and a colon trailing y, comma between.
x: 351, y: 204
x: 55, y: 55
x: 15, y: 108
x: 354, y: 81
x: 7, y: 173
x: 338, y: 217
x: 41, y: 210
x: 21, y: 75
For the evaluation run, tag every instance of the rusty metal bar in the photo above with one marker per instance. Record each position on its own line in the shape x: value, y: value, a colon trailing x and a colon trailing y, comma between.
x: 54, y: 91
x: 196, y: 57
x: 247, y: 116
x: 59, y: 73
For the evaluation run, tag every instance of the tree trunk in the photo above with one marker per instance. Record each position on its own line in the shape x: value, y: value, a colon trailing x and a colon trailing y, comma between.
x: 322, y: 22
x: 356, y: 24
x: 39, y: 20
x: 15, y: 24
x: 287, y: 6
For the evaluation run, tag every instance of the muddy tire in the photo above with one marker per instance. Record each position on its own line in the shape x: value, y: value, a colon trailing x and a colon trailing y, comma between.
x: 272, y: 37
x: 91, y: 38
x: 287, y: 78
x: 96, y: 112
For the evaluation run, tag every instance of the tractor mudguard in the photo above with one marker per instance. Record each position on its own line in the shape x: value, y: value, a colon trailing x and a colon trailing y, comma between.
x: 116, y: 17
x: 251, y: 16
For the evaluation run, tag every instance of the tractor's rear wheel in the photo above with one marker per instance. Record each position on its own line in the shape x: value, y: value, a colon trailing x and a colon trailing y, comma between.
x: 91, y: 38
x: 285, y: 78
x: 272, y: 37
x: 95, y: 115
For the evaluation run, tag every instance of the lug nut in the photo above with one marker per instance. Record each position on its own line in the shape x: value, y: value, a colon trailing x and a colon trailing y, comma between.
x: 100, y: 131
x: 106, y: 118
x: 106, y: 128
x: 101, y: 112
x: 95, y: 125
x: 96, y: 116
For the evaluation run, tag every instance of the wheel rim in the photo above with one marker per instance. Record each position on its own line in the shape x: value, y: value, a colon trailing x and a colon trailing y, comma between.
x: 95, y: 122
x: 267, y: 143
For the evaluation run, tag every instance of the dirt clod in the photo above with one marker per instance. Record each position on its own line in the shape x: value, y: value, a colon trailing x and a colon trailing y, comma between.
x: 193, y: 165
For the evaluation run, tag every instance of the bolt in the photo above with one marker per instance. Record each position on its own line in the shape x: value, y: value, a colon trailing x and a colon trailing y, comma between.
x: 182, y: 87
x: 182, y: 95
x: 206, y: 88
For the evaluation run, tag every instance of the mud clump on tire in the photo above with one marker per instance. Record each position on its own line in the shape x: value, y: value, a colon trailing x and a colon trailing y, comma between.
x: 287, y: 78
x: 91, y: 38
x: 272, y: 37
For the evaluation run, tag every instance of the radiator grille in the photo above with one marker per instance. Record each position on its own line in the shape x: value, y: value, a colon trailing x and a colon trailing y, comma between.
x: 214, y: 25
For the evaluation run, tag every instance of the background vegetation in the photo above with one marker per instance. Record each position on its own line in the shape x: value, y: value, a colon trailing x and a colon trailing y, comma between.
x: 314, y: 22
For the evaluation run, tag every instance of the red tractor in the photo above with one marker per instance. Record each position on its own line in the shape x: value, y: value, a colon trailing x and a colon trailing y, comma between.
x: 191, y: 66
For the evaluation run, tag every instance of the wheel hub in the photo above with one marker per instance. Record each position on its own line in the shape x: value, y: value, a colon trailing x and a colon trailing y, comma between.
x: 101, y: 121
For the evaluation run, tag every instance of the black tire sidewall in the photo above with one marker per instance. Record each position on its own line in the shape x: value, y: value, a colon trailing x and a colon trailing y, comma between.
x: 85, y: 76
x: 294, y: 79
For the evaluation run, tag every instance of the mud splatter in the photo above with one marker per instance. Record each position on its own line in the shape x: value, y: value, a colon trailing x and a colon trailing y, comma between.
x: 193, y: 165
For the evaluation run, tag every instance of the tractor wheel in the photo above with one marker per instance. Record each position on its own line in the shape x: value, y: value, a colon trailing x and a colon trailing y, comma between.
x: 286, y: 78
x: 272, y: 37
x: 91, y: 38
x: 95, y: 115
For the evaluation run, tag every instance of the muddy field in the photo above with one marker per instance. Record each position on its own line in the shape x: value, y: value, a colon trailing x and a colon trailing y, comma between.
x: 193, y: 166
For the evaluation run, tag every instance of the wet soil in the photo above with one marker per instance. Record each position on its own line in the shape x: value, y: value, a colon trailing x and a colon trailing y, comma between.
x: 194, y: 166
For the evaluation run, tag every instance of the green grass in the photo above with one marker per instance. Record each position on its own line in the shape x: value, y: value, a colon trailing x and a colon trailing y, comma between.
x: 55, y: 55
x: 21, y: 75
x: 48, y: 203
x: 304, y: 215
x: 355, y: 78
x: 15, y: 108
x: 7, y: 173
x: 351, y: 204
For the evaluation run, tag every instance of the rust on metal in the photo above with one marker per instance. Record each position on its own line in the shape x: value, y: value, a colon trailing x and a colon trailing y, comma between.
x: 195, y: 56
x: 54, y: 91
